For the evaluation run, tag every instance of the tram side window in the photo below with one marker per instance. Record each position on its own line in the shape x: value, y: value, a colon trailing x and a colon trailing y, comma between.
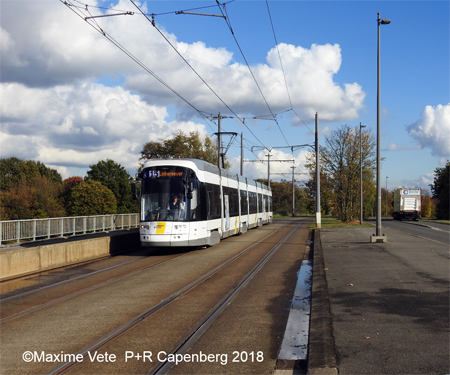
x: 233, y: 200
x: 267, y: 202
x: 260, y: 203
x: 201, y: 211
x: 252, y: 201
x: 244, y: 204
x: 213, y: 201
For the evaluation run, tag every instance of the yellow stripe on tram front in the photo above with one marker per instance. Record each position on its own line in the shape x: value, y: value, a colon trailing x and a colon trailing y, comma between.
x: 160, y: 229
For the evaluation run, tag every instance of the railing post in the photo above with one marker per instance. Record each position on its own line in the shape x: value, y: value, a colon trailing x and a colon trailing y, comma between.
x: 84, y: 224
x: 34, y: 229
x: 49, y: 226
x: 62, y: 227
x: 18, y: 231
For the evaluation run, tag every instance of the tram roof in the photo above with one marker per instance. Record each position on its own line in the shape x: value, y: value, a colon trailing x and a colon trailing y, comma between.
x: 201, y: 165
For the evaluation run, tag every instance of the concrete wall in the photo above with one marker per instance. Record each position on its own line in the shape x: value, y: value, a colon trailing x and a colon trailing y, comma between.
x: 36, y: 257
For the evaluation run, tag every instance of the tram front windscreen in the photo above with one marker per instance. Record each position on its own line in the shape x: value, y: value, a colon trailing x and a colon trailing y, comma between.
x: 169, y: 193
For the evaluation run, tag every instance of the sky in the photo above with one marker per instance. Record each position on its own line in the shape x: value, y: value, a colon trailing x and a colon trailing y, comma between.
x: 77, y: 90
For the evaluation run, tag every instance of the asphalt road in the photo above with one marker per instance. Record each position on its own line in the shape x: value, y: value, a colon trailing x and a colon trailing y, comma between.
x: 432, y: 231
x: 389, y: 301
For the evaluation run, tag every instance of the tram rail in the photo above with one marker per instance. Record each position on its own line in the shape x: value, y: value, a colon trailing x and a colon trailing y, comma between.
x: 208, y: 319
x: 205, y: 295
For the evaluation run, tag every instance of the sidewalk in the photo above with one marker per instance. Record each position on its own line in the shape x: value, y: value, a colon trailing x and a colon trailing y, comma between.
x: 379, y: 308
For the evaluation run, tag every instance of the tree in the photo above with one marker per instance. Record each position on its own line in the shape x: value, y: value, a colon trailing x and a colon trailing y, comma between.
x: 340, y: 167
x: 389, y: 209
x: 29, y: 190
x: 326, y: 188
x: 32, y: 198
x: 91, y: 198
x: 182, y: 145
x: 428, y: 207
x: 67, y: 185
x: 282, y: 198
x: 13, y: 169
x: 116, y: 178
x: 441, y: 191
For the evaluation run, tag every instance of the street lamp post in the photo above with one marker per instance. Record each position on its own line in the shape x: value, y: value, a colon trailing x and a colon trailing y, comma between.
x: 378, y: 237
x: 361, y: 219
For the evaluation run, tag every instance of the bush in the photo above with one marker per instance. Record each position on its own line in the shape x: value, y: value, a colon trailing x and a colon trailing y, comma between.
x: 91, y: 198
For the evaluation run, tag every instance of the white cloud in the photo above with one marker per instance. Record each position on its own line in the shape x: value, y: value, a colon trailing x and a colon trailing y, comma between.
x: 79, y: 125
x: 423, y: 182
x: 55, y: 109
x: 58, y: 47
x: 432, y: 130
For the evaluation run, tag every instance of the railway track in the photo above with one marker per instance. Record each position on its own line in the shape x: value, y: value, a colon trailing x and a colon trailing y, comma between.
x: 187, y: 307
x: 29, y: 307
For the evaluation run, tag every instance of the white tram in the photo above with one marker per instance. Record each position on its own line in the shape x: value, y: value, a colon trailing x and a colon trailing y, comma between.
x: 188, y: 202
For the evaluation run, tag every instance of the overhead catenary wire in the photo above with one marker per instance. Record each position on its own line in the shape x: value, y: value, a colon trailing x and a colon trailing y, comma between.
x: 190, y: 66
x: 183, y: 58
x: 97, y: 27
x: 83, y: 5
x: 251, y: 71
x: 278, y: 51
x: 282, y: 68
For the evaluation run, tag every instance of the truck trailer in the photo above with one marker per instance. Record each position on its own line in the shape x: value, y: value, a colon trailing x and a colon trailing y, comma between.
x: 407, y: 204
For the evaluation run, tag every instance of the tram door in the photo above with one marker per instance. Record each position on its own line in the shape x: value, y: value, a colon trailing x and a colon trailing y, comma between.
x: 264, y: 214
x: 226, y: 203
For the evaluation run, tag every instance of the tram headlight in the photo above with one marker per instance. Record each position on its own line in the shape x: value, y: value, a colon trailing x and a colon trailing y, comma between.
x: 145, y: 227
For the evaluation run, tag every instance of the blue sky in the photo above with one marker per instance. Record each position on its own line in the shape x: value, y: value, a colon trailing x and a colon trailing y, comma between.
x: 70, y: 98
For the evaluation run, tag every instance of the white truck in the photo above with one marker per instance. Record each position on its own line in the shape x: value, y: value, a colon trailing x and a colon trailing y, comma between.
x: 407, y: 204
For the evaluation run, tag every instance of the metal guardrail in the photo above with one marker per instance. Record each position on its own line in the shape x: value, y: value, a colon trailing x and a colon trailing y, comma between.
x: 16, y: 231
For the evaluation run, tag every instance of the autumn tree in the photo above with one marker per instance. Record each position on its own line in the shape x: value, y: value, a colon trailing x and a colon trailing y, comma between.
x: 67, y: 185
x: 29, y: 190
x: 116, y: 178
x: 428, y: 207
x: 326, y: 188
x: 387, y: 203
x: 13, y: 169
x: 91, y: 198
x: 441, y: 191
x: 282, y: 198
x: 182, y: 145
x: 340, y: 171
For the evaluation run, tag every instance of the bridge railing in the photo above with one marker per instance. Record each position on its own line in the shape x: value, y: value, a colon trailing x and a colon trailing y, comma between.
x: 16, y: 231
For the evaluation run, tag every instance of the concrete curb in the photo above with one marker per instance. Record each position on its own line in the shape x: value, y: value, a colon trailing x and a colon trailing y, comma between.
x: 322, y: 358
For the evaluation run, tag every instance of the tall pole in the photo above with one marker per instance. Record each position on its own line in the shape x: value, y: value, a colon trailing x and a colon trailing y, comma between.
x: 219, y: 142
x: 378, y: 226
x: 361, y: 209
x: 318, y: 213
x: 268, y: 169
x: 293, y: 193
x: 242, y: 153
